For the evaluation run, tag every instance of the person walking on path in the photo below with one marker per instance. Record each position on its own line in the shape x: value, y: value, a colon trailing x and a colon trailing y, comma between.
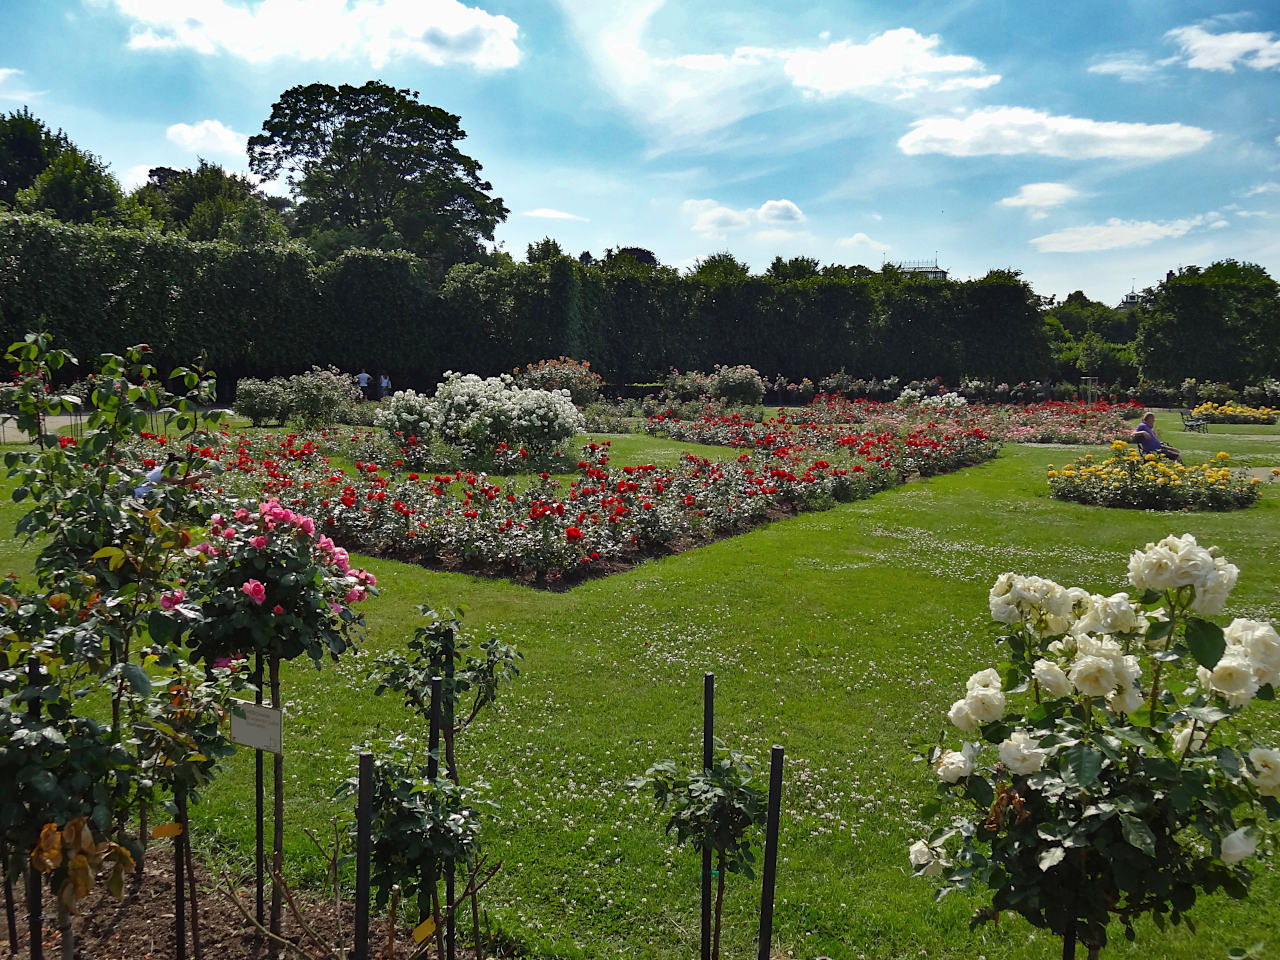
x: 384, y: 386
x: 1145, y: 436
x: 363, y: 379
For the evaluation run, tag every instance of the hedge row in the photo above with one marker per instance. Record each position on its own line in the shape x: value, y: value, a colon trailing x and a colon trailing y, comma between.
x: 269, y: 310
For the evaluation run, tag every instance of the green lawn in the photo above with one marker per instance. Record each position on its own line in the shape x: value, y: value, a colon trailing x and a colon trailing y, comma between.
x: 841, y: 635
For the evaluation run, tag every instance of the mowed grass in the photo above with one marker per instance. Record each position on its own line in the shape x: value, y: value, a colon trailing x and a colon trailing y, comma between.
x: 843, y: 636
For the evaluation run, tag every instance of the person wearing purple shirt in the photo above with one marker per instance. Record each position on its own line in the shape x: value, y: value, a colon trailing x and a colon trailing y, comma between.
x: 1145, y: 437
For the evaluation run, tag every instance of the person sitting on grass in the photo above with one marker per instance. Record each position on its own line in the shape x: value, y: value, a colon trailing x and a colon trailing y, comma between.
x: 1145, y: 437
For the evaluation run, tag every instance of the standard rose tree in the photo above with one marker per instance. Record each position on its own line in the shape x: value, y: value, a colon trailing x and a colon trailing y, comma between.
x: 1106, y: 777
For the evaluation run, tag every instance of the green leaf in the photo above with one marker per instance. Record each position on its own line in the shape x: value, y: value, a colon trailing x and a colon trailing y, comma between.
x: 137, y: 677
x: 1081, y: 765
x: 1138, y: 835
x: 1266, y: 692
x: 1206, y: 642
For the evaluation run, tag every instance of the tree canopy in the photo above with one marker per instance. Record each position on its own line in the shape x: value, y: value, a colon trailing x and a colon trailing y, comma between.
x: 77, y: 187
x: 201, y: 202
x: 373, y: 165
x: 27, y: 147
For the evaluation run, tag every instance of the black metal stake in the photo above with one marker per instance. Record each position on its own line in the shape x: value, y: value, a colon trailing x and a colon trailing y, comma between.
x: 35, y: 897
x: 433, y: 772
x: 708, y: 757
x: 260, y: 837
x: 10, y: 913
x: 770, y: 853
x: 364, y: 819
x: 179, y: 900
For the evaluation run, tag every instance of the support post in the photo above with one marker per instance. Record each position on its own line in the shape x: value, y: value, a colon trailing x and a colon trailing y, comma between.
x: 708, y: 757
x: 364, y: 819
x: 770, y: 853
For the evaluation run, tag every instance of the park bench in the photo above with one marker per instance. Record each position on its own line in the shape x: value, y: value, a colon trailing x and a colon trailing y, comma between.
x: 1190, y: 422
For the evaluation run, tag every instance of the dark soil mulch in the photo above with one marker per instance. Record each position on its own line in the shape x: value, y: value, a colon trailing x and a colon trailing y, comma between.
x: 140, y: 926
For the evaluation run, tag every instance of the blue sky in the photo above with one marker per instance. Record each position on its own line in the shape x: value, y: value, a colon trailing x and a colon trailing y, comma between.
x: 1091, y: 145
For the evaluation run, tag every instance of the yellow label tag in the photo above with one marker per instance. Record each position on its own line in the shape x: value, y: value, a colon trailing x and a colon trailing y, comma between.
x: 166, y: 830
x: 425, y: 929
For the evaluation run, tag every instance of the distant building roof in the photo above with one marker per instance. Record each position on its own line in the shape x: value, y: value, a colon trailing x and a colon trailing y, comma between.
x: 929, y: 268
x: 1129, y: 301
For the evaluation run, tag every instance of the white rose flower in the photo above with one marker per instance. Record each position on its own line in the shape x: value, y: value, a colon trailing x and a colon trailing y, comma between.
x: 1211, y: 593
x: 1020, y: 754
x: 986, y: 705
x: 1233, y: 677
x: 987, y: 679
x: 963, y: 717
x: 1183, y: 742
x: 1238, y: 845
x: 1259, y: 640
x: 1266, y: 775
x: 1195, y: 563
x: 1094, y: 676
x: 1154, y: 568
x: 928, y: 860
x: 1125, y: 700
x: 954, y: 765
x: 1051, y: 678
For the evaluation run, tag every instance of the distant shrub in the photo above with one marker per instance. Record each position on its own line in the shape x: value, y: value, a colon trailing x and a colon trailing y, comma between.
x: 322, y: 397
x: 741, y: 384
x: 563, y: 373
x: 262, y: 401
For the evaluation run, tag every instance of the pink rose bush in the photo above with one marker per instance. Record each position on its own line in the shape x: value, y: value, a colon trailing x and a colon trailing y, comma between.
x: 266, y: 579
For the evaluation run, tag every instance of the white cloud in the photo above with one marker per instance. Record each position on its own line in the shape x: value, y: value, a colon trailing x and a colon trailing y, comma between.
x: 547, y: 213
x: 860, y: 241
x: 7, y: 93
x: 778, y: 236
x: 681, y: 97
x: 713, y: 220
x: 1020, y: 130
x: 899, y: 61
x: 438, y: 32
x: 1265, y: 214
x: 1038, y: 198
x: 135, y: 176
x: 1269, y: 187
x: 1223, y: 51
x: 1116, y: 234
x: 780, y: 211
x: 1132, y: 66
x: 212, y: 136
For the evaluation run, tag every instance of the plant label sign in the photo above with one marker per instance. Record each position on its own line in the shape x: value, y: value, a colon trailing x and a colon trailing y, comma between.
x: 261, y: 728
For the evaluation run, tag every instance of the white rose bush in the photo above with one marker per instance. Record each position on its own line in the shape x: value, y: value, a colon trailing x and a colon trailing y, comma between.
x: 1103, y: 773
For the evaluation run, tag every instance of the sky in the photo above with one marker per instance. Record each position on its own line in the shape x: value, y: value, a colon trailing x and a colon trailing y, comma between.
x: 1091, y: 145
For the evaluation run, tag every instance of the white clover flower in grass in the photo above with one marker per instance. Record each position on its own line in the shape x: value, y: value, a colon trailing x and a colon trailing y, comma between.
x: 1238, y: 845
x: 1051, y: 678
x: 1233, y: 677
x: 928, y: 861
x: 954, y: 765
x: 1266, y: 770
x: 1021, y: 754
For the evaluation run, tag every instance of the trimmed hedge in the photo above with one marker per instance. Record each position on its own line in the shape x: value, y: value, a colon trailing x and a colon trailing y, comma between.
x: 267, y: 311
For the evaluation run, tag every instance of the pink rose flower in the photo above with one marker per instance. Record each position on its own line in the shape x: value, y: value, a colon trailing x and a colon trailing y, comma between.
x: 355, y: 595
x: 277, y: 609
x: 228, y: 534
x: 254, y: 590
x: 259, y: 542
x: 171, y: 600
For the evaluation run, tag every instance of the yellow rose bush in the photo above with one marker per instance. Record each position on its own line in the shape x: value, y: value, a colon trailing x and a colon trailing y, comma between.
x: 1129, y: 478
x: 1234, y: 413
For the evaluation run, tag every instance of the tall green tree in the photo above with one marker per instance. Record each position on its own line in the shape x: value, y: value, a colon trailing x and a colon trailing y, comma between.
x: 1221, y: 323
x: 27, y: 147
x: 77, y: 187
x: 375, y: 162
x: 201, y: 202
